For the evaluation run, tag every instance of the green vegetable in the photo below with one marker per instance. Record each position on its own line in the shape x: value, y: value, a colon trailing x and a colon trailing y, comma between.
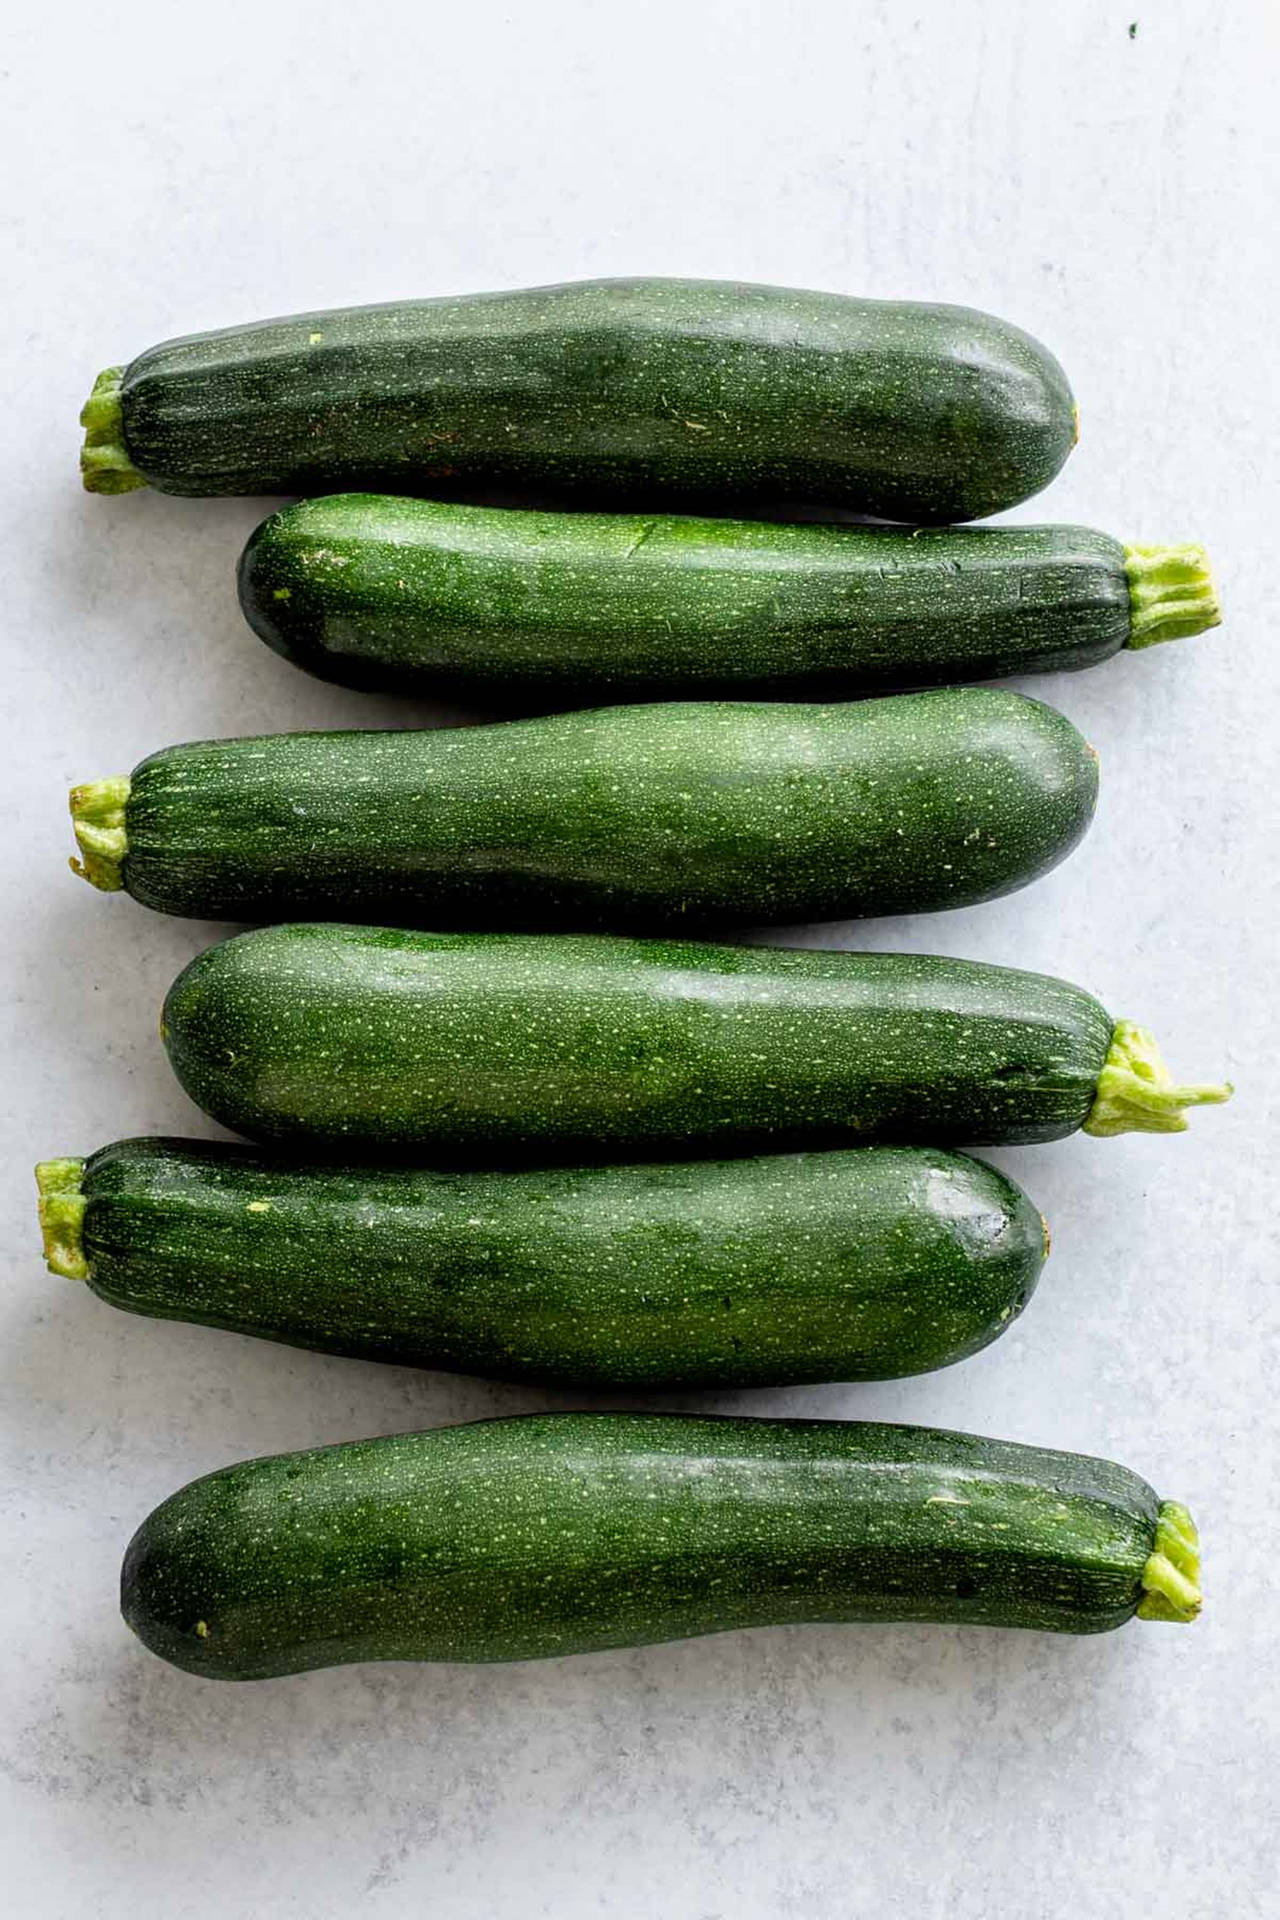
x: 368, y: 1039
x: 563, y: 1533
x: 853, y: 1266
x: 639, y: 390
x: 495, y: 605
x: 638, y: 816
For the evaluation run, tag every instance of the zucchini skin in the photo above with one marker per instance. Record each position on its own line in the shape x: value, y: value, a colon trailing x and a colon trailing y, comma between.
x: 621, y: 389
x: 497, y: 605
x: 630, y: 817
x: 552, y: 1534
x: 367, y: 1040
x: 863, y: 1265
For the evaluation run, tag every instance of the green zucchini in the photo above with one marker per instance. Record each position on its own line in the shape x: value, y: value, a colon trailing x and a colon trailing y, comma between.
x: 830, y: 1266
x: 495, y: 605
x: 641, y: 390
x: 366, y: 1039
x: 552, y: 1534
x: 623, y: 816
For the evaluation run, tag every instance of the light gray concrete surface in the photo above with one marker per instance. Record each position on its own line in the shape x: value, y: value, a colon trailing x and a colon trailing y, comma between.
x: 1114, y: 191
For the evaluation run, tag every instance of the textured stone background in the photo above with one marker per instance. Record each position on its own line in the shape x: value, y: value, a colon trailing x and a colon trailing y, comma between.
x: 169, y: 169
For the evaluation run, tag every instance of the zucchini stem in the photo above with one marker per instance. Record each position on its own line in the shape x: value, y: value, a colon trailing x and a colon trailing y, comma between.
x: 62, y: 1207
x: 1136, y: 1093
x: 97, y: 814
x: 1171, y: 594
x: 1171, y: 1577
x: 105, y: 466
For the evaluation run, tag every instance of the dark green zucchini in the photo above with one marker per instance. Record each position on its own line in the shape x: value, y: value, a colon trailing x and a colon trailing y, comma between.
x: 498, y: 606
x: 365, y: 1039
x: 564, y: 1533
x: 828, y: 1266
x: 640, y: 390
x: 683, y: 815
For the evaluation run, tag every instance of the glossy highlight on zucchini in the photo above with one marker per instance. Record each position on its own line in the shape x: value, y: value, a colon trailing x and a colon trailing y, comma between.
x: 637, y: 817
x: 641, y: 391
x: 553, y: 1534
x: 377, y: 1041
x: 503, y: 607
x: 862, y: 1265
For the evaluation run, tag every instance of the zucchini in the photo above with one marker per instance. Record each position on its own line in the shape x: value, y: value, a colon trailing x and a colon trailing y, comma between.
x: 371, y: 1039
x: 551, y: 1534
x: 494, y: 605
x: 641, y: 390
x: 623, y: 816
x: 854, y: 1266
